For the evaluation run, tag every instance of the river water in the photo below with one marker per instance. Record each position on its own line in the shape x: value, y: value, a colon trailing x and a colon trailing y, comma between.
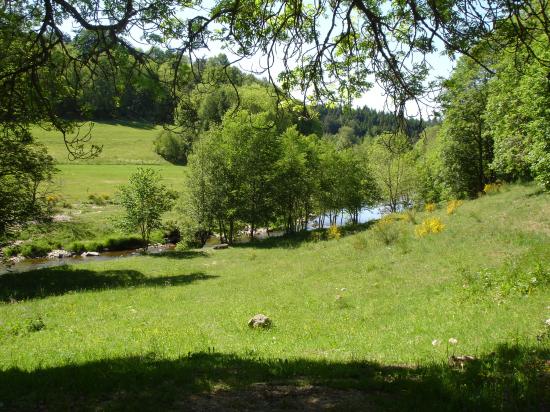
x: 366, y: 215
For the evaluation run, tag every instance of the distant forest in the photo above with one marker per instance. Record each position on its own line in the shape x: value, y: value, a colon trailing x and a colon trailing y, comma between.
x: 118, y: 91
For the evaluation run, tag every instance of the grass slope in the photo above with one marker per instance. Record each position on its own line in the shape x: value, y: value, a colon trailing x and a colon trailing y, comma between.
x: 123, y: 143
x: 76, y: 182
x: 353, y: 320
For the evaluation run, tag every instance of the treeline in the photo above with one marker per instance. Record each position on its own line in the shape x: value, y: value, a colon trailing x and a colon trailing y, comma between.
x: 352, y: 125
x: 114, y: 89
x: 496, y: 123
x: 256, y: 169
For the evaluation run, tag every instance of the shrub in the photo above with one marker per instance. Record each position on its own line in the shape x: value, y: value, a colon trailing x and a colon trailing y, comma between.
x: 38, y: 248
x: 492, y: 188
x: 123, y: 243
x: 113, y: 244
x: 452, y: 205
x: 317, y: 235
x: 386, y: 230
x: 334, y: 232
x: 429, y: 226
x: 77, y: 247
x: 430, y: 207
x: 10, y: 251
x: 96, y: 199
x: 173, y: 146
x: 36, y: 325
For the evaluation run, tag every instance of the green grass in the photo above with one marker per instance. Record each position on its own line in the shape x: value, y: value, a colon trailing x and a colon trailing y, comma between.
x: 126, y: 146
x: 76, y: 182
x: 123, y: 143
x: 354, y: 321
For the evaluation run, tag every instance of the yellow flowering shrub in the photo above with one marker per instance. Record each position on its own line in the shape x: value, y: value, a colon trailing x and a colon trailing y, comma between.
x: 430, y: 207
x: 428, y: 226
x: 334, y: 232
x: 452, y: 205
x: 386, y: 229
x: 492, y: 188
x: 52, y: 198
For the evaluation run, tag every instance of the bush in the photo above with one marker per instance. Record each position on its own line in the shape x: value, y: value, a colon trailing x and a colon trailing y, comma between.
x: 386, y: 230
x: 10, y: 251
x: 491, y: 188
x: 429, y: 226
x: 38, y: 248
x: 452, y: 205
x: 77, y: 247
x: 430, y: 207
x: 334, y: 232
x: 113, y: 244
x: 96, y: 199
x: 123, y: 243
x: 173, y: 147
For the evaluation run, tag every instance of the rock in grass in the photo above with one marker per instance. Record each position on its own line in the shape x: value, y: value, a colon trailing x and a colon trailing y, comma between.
x: 221, y: 246
x: 259, y: 321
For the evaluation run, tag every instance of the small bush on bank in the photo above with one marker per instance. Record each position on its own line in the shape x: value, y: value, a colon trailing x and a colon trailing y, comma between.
x: 99, y: 199
x: 10, y: 251
x: 430, y: 207
x: 112, y: 244
x: 35, y: 249
x: 491, y: 188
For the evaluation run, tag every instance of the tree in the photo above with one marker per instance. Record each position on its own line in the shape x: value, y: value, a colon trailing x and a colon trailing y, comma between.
x: 518, y: 117
x: 145, y: 200
x: 296, y: 179
x: 330, y: 49
x: 468, y: 145
x: 25, y: 170
x: 393, y: 169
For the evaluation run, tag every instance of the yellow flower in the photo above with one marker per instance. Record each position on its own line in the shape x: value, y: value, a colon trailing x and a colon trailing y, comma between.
x: 430, y: 207
x: 492, y: 188
x: 430, y: 225
x: 452, y: 205
x: 334, y: 232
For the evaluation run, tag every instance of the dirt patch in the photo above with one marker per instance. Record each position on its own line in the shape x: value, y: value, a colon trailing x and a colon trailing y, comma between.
x: 275, y: 398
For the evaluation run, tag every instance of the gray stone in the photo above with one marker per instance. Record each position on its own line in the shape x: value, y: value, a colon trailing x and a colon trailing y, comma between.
x: 259, y: 321
x: 59, y: 254
x: 221, y: 246
x: 86, y: 254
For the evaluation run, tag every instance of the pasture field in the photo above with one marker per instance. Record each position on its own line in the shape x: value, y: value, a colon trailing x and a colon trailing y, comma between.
x: 357, y: 323
x: 126, y: 146
x: 76, y: 182
x: 123, y: 142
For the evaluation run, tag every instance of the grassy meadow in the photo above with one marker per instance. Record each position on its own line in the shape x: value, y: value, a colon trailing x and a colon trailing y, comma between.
x: 126, y: 146
x: 123, y: 142
x: 357, y: 323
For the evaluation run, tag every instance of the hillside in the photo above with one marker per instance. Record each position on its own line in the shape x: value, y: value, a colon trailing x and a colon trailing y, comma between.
x: 125, y: 146
x: 356, y: 321
x: 123, y: 142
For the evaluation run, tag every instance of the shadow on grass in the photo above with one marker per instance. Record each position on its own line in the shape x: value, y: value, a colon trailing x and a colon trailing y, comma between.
x: 511, y: 378
x: 130, y: 123
x: 294, y: 240
x: 63, y: 279
x: 180, y: 254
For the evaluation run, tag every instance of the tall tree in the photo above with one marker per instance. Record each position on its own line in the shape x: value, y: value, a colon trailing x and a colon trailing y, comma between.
x: 468, y: 145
